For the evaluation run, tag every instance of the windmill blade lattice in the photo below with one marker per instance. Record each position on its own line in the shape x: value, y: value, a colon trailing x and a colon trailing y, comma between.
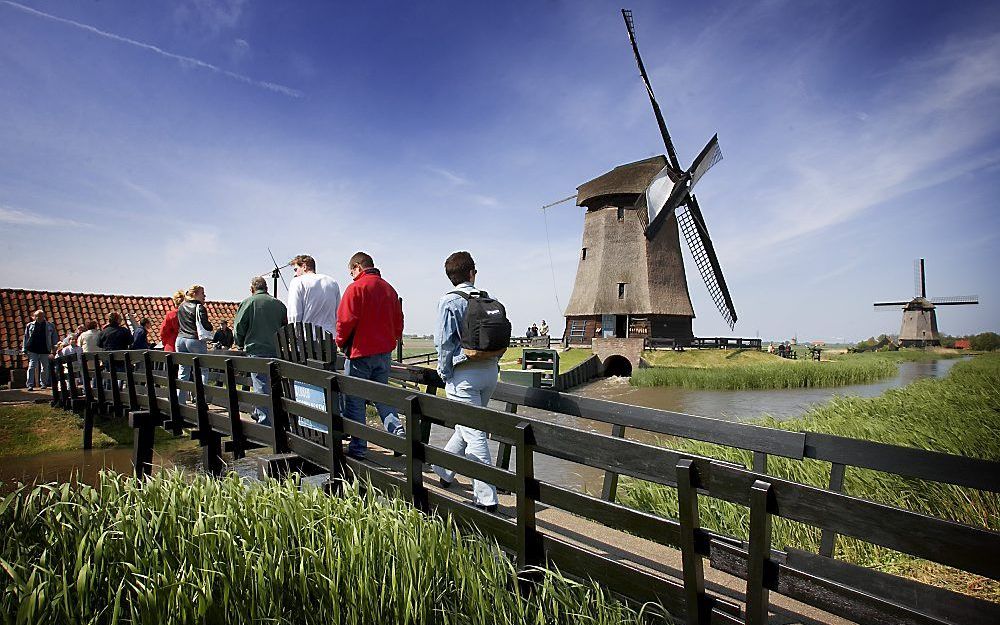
x: 708, y: 265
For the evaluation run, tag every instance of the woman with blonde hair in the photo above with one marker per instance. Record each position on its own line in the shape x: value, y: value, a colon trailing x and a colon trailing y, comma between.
x: 192, y: 324
x: 169, y: 329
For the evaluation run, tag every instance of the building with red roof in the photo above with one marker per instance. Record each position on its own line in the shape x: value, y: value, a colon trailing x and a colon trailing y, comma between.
x: 69, y: 310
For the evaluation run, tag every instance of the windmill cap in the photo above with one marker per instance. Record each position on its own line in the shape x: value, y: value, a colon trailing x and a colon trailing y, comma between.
x: 628, y: 179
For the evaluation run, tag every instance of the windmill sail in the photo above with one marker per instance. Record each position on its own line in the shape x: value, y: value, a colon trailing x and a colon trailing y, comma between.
x: 658, y: 192
x: 710, y: 155
x: 692, y: 224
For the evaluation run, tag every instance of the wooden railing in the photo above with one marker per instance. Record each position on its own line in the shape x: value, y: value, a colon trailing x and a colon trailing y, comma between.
x: 144, y: 384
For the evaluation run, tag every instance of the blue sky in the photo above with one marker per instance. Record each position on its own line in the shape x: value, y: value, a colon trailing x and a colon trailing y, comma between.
x: 148, y: 146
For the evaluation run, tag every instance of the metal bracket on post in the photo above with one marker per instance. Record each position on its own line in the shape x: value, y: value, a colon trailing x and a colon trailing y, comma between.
x: 757, y: 598
x: 415, y: 455
x: 698, y: 612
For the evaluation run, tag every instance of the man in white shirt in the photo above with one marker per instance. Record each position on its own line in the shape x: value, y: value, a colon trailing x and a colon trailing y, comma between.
x: 312, y: 298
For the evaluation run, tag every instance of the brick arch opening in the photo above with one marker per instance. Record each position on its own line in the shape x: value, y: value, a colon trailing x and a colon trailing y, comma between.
x: 617, y: 365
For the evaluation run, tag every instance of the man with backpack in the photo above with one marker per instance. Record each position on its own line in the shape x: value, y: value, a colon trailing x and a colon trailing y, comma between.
x: 471, y: 335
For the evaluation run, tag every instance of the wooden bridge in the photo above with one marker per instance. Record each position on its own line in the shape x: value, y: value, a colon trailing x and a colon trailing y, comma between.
x: 637, y: 555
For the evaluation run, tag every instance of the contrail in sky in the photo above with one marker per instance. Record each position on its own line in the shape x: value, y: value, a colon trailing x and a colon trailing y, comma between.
x: 270, y: 86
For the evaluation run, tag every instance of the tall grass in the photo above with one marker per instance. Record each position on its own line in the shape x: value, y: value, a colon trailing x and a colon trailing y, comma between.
x: 770, y: 375
x: 192, y: 549
x: 959, y: 414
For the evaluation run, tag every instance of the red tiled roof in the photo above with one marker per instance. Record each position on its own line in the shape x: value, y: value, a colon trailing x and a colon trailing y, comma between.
x: 68, y: 310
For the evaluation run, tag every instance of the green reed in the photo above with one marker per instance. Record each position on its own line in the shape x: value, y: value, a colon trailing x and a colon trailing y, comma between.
x: 769, y: 375
x: 193, y: 549
x: 959, y: 414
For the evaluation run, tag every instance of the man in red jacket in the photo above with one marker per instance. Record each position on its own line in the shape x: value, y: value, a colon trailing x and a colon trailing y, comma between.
x: 369, y: 324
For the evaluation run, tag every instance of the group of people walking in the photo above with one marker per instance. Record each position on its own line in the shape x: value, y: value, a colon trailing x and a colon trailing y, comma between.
x: 366, y: 321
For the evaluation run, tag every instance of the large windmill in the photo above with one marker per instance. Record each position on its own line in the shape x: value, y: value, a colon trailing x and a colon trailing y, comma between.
x: 920, y: 327
x: 630, y: 281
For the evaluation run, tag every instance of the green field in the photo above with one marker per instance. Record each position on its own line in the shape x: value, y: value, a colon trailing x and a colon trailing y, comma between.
x: 194, y: 549
x: 752, y: 369
x: 29, y: 429
x: 959, y: 414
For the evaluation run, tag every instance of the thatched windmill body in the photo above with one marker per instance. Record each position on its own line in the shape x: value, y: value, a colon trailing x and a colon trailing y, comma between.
x: 919, y: 327
x: 630, y: 281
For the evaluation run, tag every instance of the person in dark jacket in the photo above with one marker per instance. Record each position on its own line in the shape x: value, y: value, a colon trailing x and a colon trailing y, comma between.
x: 369, y: 324
x: 114, y: 336
x: 40, y: 341
x: 223, y: 338
x: 257, y: 321
x: 140, y: 338
x: 190, y: 314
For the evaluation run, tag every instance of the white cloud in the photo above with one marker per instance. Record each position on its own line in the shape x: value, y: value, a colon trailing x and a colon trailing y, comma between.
x: 24, y: 218
x: 184, y: 60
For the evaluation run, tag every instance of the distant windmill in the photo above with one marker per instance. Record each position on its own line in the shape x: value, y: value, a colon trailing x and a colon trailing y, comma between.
x: 630, y: 281
x: 920, y: 327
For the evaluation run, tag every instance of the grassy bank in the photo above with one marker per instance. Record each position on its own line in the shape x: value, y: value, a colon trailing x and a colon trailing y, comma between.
x: 959, y: 414
x: 29, y: 429
x: 193, y: 549
x: 775, y: 373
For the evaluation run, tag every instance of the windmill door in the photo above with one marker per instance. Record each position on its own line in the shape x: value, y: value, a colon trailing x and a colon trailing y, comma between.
x: 621, y: 326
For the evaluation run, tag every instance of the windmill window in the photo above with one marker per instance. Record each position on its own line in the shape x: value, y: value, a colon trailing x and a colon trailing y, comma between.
x: 621, y: 290
x: 583, y: 255
x: 621, y: 213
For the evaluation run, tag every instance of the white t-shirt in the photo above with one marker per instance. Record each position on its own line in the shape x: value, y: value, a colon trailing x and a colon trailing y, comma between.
x: 88, y: 341
x: 314, y: 298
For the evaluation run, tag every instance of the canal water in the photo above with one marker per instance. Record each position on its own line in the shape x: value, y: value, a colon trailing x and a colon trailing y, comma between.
x: 729, y: 405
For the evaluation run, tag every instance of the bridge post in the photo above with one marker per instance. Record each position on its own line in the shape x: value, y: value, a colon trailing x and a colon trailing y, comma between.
x: 335, y: 437
x: 133, y: 395
x: 233, y: 408
x: 210, y: 440
x: 759, y: 462
x: 176, y: 420
x: 415, y: 455
x: 102, y: 397
x: 53, y: 380
x: 757, y: 597
x: 529, y: 544
x: 144, y: 425
x: 70, y: 402
x: 503, y: 451
x: 610, y: 489
x: 88, y: 405
x: 828, y: 539
x: 147, y: 366
x: 698, y: 611
x: 279, y: 416
x: 425, y: 426
x: 116, y: 393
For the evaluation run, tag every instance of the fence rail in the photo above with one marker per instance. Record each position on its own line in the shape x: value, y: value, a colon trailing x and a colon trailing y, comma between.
x: 145, y: 383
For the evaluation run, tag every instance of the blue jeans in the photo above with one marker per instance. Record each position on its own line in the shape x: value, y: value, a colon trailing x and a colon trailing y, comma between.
x: 375, y: 368
x: 189, y: 346
x: 38, y: 370
x: 261, y: 384
x: 471, y: 383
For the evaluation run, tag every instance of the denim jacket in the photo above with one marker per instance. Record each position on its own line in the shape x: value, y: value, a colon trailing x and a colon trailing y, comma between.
x: 52, y: 338
x: 448, y: 332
